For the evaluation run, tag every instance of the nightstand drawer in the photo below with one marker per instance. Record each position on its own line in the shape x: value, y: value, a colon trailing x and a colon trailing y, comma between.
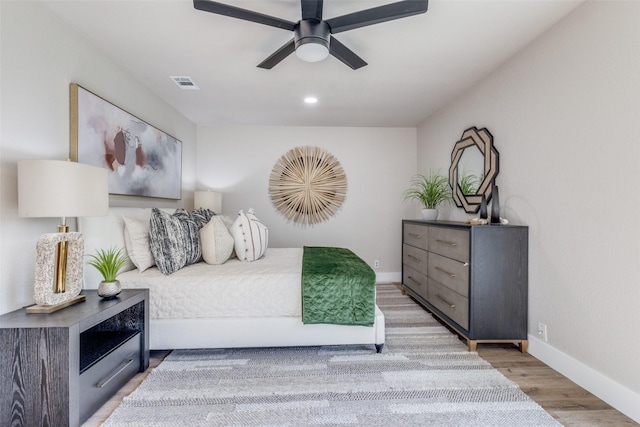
x: 449, y: 272
x: 452, y: 304
x: 449, y: 242
x: 416, y: 235
x: 107, y: 376
x: 415, y: 258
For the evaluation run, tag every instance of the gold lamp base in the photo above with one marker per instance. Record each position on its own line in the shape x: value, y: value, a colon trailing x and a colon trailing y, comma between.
x: 47, y: 309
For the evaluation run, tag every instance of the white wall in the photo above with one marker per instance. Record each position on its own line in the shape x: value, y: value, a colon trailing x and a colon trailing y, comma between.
x: 378, y: 163
x: 564, y: 114
x: 40, y: 57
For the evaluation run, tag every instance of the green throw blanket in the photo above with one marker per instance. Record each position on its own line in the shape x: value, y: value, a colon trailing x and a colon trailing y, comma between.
x: 337, y: 287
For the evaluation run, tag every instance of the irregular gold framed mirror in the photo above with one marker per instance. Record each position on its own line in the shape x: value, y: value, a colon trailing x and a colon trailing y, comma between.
x: 307, y: 185
x: 473, y: 170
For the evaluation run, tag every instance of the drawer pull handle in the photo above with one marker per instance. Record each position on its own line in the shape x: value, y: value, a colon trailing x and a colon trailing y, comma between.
x: 121, y: 367
x: 445, y: 301
x: 416, y: 259
x: 415, y: 236
x: 447, y: 242
x: 445, y: 272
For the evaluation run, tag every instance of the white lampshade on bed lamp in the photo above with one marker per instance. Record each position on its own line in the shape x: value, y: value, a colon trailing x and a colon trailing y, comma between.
x: 208, y: 200
x: 57, y: 188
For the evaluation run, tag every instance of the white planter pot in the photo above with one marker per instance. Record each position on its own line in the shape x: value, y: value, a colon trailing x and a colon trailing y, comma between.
x: 108, y: 290
x: 429, y: 214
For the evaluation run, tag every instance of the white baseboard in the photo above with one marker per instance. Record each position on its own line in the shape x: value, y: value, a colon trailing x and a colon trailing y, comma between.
x: 388, y: 277
x: 620, y: 397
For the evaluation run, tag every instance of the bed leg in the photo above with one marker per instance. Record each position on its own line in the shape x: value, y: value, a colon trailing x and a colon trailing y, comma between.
x: 379, y: 347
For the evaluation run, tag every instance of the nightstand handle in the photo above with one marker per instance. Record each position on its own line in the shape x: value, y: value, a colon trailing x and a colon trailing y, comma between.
x: 415, y: 236
x: 121, y: 367
x: 414, y: 258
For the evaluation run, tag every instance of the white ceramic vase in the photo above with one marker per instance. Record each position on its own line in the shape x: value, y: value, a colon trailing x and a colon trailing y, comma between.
x: 108, y: 290
x: 429, y: 214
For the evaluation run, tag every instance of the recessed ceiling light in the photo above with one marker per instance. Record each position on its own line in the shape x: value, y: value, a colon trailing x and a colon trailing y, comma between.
x: 310, y: 100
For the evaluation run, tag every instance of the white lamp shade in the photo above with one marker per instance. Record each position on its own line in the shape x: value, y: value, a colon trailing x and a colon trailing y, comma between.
x: 57, y: 188
x: 208, y: 200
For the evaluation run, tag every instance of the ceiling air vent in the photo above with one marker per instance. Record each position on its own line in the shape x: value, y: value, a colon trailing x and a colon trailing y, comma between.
x: 184, y: 82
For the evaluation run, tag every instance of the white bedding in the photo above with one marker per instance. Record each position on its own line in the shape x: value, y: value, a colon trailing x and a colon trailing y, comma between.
x: 268, y: 287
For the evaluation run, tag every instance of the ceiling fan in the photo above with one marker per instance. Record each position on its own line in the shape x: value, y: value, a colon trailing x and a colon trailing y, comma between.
x: 312, y: 36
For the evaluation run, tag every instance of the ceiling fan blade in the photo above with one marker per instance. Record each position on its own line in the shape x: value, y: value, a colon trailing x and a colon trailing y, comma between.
x: 377, y: 15
x: 311, y: 9
x: 344, y: 54
x: 278, y: 55
x: 244, y: 14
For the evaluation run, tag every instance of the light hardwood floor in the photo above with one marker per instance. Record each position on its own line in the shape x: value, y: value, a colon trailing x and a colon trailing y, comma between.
x: 567, y: 402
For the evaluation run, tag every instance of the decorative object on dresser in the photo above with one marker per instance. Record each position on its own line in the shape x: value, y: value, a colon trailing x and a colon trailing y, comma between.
x: 208, y: 200
x: 474, y: 155
x: 472, y: 277
x: 141, y: 160
x: 495, y: 205
x: 431, y: 191
x: 57, y: 370
x: 307, y: 185
x: 56, y: 188
x: 108, y: 262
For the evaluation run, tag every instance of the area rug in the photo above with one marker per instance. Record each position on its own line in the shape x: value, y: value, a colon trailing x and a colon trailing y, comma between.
x: 425, y: 376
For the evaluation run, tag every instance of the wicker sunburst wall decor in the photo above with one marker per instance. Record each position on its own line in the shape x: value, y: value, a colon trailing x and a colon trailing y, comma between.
x: 307, y: 185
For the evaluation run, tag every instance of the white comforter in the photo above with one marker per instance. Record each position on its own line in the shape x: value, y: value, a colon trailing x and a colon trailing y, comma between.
x: 268, y: 287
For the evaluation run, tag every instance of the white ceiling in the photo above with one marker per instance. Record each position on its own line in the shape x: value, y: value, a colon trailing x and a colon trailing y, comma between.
x: 416, y: 64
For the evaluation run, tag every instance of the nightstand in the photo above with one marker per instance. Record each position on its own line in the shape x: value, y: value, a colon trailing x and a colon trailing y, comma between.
x: 58, y: 369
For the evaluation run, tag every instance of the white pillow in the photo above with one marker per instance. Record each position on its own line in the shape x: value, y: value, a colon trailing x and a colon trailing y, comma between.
x: 216, y: 241
x: 250, y: 236
x: 136, y: 240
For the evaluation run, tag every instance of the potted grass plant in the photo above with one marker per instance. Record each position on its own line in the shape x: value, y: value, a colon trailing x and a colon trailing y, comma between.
x: 430, y: 191
x: 109, y: 262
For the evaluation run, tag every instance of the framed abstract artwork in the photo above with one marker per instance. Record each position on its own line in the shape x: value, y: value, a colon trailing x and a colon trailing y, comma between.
x: 141, y: 159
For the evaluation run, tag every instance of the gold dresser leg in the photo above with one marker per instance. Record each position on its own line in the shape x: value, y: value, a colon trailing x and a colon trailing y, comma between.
x: 523, y: 346
x: 472, y: 345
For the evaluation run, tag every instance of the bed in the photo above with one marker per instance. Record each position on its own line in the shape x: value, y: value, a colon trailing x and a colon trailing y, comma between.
x: 235, y: 304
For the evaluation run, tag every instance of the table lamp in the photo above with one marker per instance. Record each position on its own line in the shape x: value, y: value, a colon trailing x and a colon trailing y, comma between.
x: 57, y: 188
x: 208, y: 200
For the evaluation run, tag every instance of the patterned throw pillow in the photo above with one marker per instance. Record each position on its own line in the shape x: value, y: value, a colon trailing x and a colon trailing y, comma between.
x: 250, y: 236
x: 217, y: 243
x: 175, y: 241
x: 202, y: 216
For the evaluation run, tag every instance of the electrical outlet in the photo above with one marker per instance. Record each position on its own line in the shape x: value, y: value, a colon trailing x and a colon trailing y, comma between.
x: 542, y: 331
x: 376, y: 263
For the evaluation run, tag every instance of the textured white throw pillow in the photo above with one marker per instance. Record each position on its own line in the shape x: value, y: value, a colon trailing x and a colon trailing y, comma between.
x: 216, y: 241
x: 136, y: 240
x: 250, y: 236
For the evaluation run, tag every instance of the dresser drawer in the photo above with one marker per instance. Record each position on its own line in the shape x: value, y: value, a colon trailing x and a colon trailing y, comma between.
x: 449, y: 242
x: 416, y: 235
x: 415, y: 280
x: 106, y: 377
x: 454, y: 305
x: 449, y: 272
x: 415, y: 258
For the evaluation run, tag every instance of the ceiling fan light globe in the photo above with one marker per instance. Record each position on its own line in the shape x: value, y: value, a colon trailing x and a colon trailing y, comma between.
x: 312, y: 52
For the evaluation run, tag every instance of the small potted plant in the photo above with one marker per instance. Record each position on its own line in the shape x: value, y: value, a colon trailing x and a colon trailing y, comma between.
x: 108, y: 263
x: 431, y: 191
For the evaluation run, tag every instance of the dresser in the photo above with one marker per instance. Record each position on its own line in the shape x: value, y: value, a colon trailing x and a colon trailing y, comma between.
x: 474, y: 278
x: 58, y: 369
